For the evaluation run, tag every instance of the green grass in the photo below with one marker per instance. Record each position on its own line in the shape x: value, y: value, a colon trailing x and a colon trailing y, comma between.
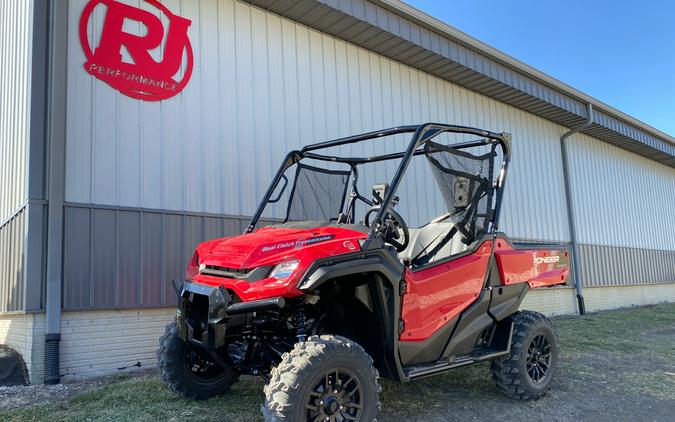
x: 634, y: 330
x: 630, y: 351
x: 626, y: 352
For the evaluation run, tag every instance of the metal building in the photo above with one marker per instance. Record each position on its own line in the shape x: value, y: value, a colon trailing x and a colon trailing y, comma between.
x: 104, y: 192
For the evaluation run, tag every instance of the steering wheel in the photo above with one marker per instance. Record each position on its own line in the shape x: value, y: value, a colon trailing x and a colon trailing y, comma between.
x: 394, y: 227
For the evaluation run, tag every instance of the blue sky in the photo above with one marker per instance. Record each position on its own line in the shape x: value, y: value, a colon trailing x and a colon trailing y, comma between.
x: 620, y: 52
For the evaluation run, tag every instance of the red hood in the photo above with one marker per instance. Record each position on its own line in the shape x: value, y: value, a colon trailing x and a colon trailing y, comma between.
x: 269, y: 246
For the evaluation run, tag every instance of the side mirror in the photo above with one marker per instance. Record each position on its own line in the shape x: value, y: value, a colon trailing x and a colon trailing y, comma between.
x: 379, y: 192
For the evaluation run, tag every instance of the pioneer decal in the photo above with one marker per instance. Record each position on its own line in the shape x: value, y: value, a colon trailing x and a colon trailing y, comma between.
x: 296, y: 243
x: 546, y: 259
x: 136, y: 73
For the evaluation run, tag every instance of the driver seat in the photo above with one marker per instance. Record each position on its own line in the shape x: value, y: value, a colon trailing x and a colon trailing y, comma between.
x: 427, y: 236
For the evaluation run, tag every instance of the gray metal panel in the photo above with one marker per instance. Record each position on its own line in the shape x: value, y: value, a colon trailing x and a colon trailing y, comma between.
x: 104, y: 278
x: 410, y: 37
x: 610, y: 265
x: 128, y: 253
x: 77, y: 257
x: 15, y: 62
x: 35, y: 229
x: 124, y: 258
x: 12, y: 264
x: 152, y: 258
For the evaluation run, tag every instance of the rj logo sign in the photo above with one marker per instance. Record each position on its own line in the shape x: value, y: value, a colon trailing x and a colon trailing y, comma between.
x: 124, y: 59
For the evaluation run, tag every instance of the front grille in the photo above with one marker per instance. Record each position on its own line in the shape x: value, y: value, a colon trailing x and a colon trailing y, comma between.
x: 225, y: 271
x: 248, y: 274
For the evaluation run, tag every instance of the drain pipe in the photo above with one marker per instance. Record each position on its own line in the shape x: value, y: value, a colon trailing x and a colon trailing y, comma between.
x: 56, y: 142
x: 570, y: 206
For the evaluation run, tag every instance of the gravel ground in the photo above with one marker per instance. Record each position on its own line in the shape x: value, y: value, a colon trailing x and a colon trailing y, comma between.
x: 616, y: 365
x: 20, y: 396
x: 26, y: 396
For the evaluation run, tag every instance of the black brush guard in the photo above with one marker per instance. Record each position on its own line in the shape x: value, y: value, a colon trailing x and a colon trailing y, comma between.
x: 204, y: 310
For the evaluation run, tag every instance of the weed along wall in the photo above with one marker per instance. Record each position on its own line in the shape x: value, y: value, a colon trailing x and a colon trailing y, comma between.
x: 175, y: 116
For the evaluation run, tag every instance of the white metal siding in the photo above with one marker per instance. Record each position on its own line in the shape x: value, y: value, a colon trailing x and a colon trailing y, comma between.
x: 15, y: 49
x: 261, y: 86
x: 621, y: 199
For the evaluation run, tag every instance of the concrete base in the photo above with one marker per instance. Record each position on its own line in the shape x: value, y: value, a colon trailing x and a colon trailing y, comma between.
x: 107, y: 342
x: 93, y: 343
x: 113, y: 341
x: 25, y: 333
x: 563, y: 301
x: 551, y: 301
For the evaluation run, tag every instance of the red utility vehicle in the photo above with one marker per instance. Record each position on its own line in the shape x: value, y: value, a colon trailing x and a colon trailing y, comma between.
x: 337, y: 290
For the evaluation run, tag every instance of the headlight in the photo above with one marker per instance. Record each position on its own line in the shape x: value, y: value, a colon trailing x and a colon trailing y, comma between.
x: 284, y: 270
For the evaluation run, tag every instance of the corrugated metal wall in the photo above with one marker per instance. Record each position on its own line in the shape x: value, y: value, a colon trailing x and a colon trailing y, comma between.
x: 15, y: 27
x: 261, y: 85
x: 12, y: 264
x: 612, y: 265
x: 15, y: 59
x: 624, y: 211
x: 117, y: 257
x: 621, y: 199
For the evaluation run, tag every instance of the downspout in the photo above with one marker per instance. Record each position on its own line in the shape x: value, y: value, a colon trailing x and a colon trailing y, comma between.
x: 56, y: 144
x: 570, y: 206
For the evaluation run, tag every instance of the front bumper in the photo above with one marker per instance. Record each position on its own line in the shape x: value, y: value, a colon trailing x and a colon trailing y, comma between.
x: 204, y: 312
x: 201, y: 315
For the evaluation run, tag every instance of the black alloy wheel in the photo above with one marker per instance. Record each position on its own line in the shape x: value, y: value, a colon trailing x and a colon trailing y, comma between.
x: 335, y: 398
x: 538, y: 358
x: 200, y: 369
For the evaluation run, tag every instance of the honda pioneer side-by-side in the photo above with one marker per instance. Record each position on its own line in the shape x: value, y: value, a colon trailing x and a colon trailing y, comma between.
x: 328, y: 288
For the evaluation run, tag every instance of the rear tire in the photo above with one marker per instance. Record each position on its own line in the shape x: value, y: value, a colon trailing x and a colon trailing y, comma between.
x: 187, y: 373
x: 324, y: 378
x: 527, y: 372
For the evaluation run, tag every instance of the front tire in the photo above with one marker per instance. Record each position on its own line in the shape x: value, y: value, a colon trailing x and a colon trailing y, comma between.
x: 326, y: 378
x: 527, y: 372
x: 186, y: 372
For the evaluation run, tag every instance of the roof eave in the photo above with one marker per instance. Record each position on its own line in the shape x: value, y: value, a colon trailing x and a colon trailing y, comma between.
x: 400, y: 32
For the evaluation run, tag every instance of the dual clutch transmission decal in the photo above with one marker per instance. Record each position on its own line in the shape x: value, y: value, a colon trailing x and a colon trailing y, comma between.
x: 295, y: 244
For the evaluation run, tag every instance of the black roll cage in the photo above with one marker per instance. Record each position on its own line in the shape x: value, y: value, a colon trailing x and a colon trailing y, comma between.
x: 421, y: 135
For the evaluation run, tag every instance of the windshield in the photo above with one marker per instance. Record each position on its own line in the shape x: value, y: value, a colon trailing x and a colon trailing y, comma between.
x: 326, y: 188
x: 318, y: 194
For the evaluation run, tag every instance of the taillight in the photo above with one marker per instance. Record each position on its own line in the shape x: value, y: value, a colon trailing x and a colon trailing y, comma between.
x: 193, y: 267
